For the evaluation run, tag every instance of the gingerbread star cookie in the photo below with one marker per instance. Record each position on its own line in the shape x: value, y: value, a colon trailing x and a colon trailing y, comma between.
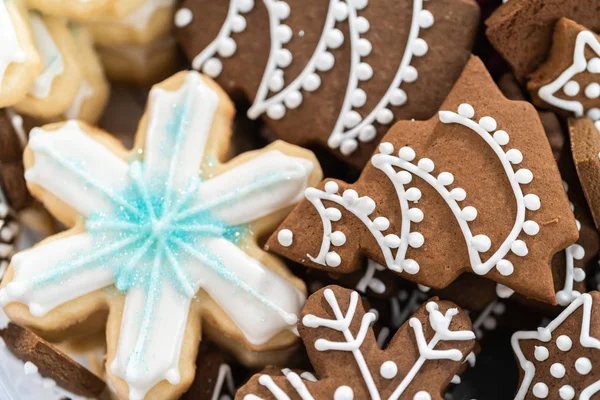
x: 473, y: 189
x: 351, y: 68
x: 521, y: 30
x: 420, y: 361
x: 163, y: 238
x: 559, y: 361
x: 569, y: 80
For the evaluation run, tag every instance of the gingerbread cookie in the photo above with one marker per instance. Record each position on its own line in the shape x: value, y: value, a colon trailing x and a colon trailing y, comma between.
x: 420, y: 361
x: 569, y: 80
x: 12, y: 141
x: 557, y: 361
x: 172, y: 229
x: 521, y: 30
x: 474, y: 189
x: 214, y: 379
x: 352, y: 68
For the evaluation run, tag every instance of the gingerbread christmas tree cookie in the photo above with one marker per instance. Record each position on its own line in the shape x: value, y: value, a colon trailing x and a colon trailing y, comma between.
x: 420, y: 361
x: 351, y: 68
x: 473, y: 189
x: 170, y: 229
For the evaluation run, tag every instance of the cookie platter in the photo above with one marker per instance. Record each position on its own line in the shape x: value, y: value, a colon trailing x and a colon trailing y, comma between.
x: 285, y: 199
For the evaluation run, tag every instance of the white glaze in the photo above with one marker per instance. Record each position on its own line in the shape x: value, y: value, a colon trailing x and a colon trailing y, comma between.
x: 141, y: 16
x: 52, y: 61
x: 85, y: 92
x: 10, y: 51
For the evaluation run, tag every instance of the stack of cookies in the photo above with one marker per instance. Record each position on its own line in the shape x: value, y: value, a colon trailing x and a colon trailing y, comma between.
x: 286, y: 199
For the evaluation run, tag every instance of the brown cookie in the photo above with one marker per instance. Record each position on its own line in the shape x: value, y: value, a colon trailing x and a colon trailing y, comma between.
x: 521, y: 30
x: 474, y: 191
x: 558, y: 360
x: 51, y: 362
x: 420, y: 361
x: 12, y: 141
x: 569, y: 80
x: 213, y: 379
x: 9, y: 230
x: 350, y: 68
x: 585, y: 147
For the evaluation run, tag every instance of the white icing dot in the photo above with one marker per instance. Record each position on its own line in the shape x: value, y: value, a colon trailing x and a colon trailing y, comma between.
x: 458, y: 194
x: 540, y: 390
x: 30, y: 368
x: 351, y: 119
x: 359, y: 4
x: 388, y: 369
x: 284, y: 58
x: 245, y: 6
x: 398, y: 97
x: 426, y: 164
x: 566, y: 392
x: 593, y: 65
x: 466, y: 110
x: 212, y: 67
x: 488, y: 123
x: 384, y: 116
x: 407, y: 153
x: 592, y: 91
x: 340, y: 11
x: 564, y: 343
x: 571, y: 88
x: 334, y: 38
x: 283, y: 33
x: 331, y: 187
x: 445, y: 178
x: 183, y: 17
x: 524, y: 176
x: 311, y: 82
x: 557, y: 370
x: 419, y: 47
x: 363, y: 47
x: 333, y: 214
x: 364, y: 72
x: 410, y: 74
x: 359, y: 98
x: 413, y: 194
x: 276, y: 111
x: 514, y: 156
x: 338, y: 238
x: 425, y: 19
x: 519, y: 248
x: 276, y: 82
x: 593, y: 114
x: 325, y: 61
x: 583, y: 365
x: 541, y: 353
x: 238, y: 23
x: 505, y: 267
x: 578, y: 275
x: 415, y: 215
x: 362, y: 25
x: 285, y: 237
x: 422, y: 395
x: 348, y: 146
x: 367, y: 133
x: 482, y: 243
x: 333, y: 259
x: 392, y: 241
x: 501, y: 137
x: 350, y: 196
x: 531, y: 228
x: 404, y: 177
x: 343, y: 393
x: 281, y: 10
x: 468, y: 213
x: 532, y: 202
x: 415, y: 240
x: 386, y: 148
x: 381, y: 223
x: 410, y: 266
x: 293, y: 99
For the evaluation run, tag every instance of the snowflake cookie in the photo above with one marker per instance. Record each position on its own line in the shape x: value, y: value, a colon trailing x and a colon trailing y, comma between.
x: 420, y: 361
x: 171, y: 229
x: 473, y: 189
x: 557, y: 361
x: 351, y: 67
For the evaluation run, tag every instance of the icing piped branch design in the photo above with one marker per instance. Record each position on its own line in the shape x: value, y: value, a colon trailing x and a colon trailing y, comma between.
x: 349, y: 332
x: 159, y: 231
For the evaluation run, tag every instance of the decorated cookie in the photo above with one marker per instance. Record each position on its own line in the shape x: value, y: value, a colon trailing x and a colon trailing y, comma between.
x: 163, y: 237
x: 521, y: 30
x: 352, y: 68
x: 214, y: 379
x: 419, y: 362
x: 9, y: 230
x: 83, y: 10
x: 558, y: 361
x: 473, y: 189
x: 570, y: 79
x: 19, y: 62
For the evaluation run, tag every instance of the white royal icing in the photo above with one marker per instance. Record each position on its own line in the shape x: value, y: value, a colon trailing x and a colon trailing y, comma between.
x: 10, y: 51
x: 582, y: 365
x: 52, y: 61
x: 141, y: 16
x: 85, y: 92
x: 95, y: 182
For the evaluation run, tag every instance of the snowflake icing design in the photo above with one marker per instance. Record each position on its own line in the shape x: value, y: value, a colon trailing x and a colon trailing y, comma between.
x: 159, y: 232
